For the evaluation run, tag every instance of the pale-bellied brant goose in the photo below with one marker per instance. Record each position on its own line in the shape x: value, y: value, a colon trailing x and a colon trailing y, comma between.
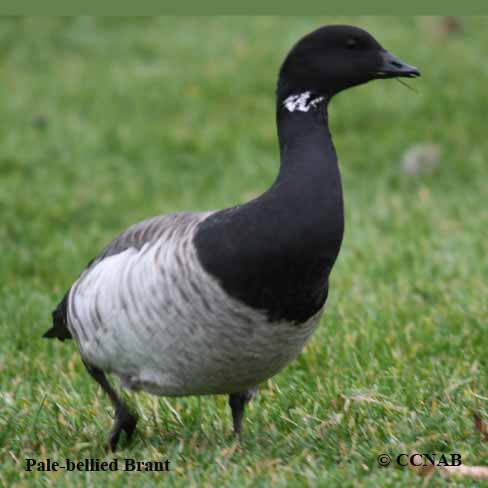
x: 218, y: 302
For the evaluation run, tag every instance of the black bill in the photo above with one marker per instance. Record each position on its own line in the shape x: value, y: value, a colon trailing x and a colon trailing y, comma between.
x: 393, y: 67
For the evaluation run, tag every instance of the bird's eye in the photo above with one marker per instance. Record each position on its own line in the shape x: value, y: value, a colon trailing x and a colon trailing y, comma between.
x: 352, y: 43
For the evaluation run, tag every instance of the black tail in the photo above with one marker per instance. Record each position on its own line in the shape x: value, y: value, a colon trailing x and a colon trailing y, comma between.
x: 59, y: 329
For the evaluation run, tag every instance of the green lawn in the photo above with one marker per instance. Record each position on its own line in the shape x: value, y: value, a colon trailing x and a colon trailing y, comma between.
x: 106, y: 122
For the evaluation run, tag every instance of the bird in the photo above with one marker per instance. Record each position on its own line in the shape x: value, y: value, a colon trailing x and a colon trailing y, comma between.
x: 217, y: 302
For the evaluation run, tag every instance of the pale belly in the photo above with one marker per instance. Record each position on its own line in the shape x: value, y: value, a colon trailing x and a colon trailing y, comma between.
x: 234, y: 358
x: 173, y: 331
x: 198, y: 359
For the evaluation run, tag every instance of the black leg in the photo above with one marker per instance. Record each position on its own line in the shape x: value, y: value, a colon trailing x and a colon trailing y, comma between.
x: 238, y: 402
x: 124, y: 420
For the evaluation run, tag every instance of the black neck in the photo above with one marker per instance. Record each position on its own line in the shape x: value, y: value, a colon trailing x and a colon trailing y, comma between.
x: 304, y: 138
x: 275, y: 253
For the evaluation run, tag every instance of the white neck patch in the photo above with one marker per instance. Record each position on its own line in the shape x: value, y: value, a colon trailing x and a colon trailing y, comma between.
x: 301, y: 102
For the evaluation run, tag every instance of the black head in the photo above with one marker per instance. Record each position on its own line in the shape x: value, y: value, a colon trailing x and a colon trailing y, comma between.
x: 336, y: 57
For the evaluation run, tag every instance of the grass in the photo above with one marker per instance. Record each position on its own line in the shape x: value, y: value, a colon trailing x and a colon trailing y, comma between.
x: 106, y: 122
